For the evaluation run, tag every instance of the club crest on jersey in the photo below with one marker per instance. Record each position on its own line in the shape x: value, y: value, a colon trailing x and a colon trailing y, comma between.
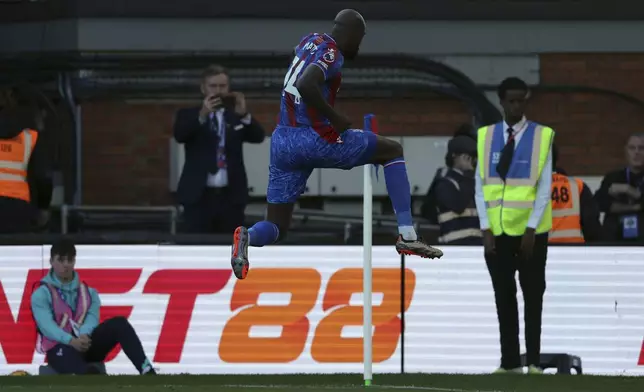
x: 329, y: 56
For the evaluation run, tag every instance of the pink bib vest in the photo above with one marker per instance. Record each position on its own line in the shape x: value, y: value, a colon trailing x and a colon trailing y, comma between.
x: 68, y: 320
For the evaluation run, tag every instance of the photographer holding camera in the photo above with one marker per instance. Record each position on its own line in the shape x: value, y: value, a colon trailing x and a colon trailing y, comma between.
x: 213, y: 188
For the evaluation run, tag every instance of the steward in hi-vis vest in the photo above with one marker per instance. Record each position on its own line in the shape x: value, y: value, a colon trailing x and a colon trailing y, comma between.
x: 14, y: 161
x: 512, y: 193
x: 566, y: 211
x: 509, y: 201
x: 25, y: 171
x: 575, y: 214
x: 457, y: 217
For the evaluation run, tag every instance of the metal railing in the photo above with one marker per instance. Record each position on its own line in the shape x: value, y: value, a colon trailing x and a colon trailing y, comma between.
x: 302, y: 215
x: 349, y: 221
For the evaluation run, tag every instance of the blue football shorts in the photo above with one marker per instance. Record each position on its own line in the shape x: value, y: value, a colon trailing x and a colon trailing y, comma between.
x: 295, y: 152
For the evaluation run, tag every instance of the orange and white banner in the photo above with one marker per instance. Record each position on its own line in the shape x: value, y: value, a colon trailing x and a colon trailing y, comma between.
x: 299, y: 310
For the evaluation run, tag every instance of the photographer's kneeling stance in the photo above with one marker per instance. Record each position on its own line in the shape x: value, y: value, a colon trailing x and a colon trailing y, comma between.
x: 66, y: 312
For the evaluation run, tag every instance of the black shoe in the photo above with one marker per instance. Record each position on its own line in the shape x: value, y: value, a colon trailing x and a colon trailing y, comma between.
x: 417, y: 247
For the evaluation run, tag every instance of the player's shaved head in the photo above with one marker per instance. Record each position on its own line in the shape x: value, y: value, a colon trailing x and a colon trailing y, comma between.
x: 350, y: 18
x: 348, y: 30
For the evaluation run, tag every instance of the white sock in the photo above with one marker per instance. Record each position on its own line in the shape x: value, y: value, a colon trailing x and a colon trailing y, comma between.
x: 408, y: 233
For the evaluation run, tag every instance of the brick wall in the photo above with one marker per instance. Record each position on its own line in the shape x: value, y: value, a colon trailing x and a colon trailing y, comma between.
x: 591, y: 129
x: 125, y: 146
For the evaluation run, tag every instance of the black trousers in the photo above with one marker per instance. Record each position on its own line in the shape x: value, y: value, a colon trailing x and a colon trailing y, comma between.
x: 532, y: 277
x: 65, y: 359
x: 215, y: 212
x: 17, y: 216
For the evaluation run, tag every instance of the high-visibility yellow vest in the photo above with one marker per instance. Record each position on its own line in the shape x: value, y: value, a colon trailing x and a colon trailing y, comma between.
x: 510, y: 203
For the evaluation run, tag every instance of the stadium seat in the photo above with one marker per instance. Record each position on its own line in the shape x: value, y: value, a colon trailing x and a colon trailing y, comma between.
x: 564, y: 363
x: 97, y: 368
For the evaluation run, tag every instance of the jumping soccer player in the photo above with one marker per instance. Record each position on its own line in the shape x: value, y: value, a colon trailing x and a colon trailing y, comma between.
x: 312, y: 134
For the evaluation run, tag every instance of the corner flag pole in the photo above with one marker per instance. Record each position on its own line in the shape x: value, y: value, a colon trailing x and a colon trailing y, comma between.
x: 370, y: 125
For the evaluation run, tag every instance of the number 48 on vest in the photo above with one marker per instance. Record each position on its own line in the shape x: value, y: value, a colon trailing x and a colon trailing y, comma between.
x: 560, y: 194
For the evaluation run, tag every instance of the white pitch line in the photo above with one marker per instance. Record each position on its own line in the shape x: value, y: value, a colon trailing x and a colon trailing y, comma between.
x: 337, y: 387
x: 299, y: 387
x: 433, y: 388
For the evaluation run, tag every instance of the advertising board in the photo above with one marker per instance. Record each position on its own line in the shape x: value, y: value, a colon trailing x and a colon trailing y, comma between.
x: 299, y: 310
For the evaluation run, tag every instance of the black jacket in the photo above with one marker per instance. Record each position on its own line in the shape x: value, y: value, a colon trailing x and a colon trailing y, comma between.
x: 457, y: 207
x: 199, y: 141
x: 428, y: 208
x: 613, y: 228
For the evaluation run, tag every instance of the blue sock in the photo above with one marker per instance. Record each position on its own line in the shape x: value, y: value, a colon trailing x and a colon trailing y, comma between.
x: 263, y: 233
x: 400, y: 194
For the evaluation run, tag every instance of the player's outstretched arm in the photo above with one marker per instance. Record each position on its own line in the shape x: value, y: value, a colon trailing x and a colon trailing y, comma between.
x: 308, y: 85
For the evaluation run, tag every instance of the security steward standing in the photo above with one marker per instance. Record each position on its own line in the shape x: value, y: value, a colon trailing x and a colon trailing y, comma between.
x: 428, y: 209
x: 25, y: 184
x: 457, y: 216
x: 513, y: 183
x: 575, y: 215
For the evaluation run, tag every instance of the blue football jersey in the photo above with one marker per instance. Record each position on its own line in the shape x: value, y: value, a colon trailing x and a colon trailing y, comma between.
x: 320, y: 50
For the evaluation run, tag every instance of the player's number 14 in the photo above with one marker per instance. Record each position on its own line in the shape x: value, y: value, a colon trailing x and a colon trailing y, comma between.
x: 291, y: 77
